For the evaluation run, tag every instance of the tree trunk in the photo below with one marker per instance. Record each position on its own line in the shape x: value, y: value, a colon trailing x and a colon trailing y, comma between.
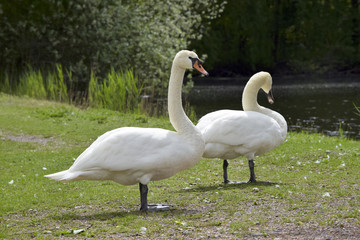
x: 355, y: 24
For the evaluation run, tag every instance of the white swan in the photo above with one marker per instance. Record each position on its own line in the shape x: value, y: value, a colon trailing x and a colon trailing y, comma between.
x: 131, y: 155
x: 230, y: 134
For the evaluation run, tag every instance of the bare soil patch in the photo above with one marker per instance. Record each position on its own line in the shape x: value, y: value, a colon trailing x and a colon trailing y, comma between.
x: 41, y: 140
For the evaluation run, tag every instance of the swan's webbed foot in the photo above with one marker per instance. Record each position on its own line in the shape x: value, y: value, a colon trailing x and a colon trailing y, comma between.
x: 252, y: 180
x: 255, y: 181
x: 235, y: 182
x: 158, y: 207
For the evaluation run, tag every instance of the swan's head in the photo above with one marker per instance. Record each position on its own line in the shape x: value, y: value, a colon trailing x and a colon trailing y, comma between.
x: 265, y: 80
x: 188, y: 60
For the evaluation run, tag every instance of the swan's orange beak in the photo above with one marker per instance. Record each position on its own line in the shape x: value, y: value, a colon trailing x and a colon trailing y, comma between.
x: 197, y: 65
x: 270, y: 97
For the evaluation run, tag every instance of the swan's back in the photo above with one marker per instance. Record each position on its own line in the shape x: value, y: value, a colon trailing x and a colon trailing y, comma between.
x: 229, y: 134
x: 130, y: 155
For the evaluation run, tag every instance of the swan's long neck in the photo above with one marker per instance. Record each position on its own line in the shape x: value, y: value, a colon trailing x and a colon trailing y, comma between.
x: 250, y: 103
x: 249, y: 97
x: 178, y: 118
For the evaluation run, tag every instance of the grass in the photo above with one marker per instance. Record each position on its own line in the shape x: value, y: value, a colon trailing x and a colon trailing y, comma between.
x: 317, y: 195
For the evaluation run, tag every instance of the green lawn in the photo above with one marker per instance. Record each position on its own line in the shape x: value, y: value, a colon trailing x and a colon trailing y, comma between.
x: 317, y: 195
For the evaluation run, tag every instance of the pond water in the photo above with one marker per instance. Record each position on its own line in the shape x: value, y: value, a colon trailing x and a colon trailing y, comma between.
x: 317, y: 108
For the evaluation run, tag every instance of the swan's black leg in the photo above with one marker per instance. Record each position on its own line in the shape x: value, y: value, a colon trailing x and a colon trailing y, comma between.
x: 143, y: 197
x: 225, y: 165
x: 149, y: 207
x: 252, y: 171
x: 252, y: 174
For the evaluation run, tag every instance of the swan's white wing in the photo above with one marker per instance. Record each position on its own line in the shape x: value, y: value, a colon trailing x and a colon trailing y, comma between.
x: 240, y: 133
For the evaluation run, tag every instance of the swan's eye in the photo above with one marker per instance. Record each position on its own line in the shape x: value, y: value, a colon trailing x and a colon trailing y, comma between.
x: 194, y: 61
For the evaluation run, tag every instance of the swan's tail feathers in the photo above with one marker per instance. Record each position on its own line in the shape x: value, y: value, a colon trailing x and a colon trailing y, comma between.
x: 63, y: 176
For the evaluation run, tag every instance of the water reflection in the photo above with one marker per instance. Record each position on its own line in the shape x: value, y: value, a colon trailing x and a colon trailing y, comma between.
x: 319, y: 108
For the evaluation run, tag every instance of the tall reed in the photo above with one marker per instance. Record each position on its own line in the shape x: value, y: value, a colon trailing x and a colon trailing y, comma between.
x: 5, y: 85
x: 35, y: 84
x: 55, y: 84
x: 357, y: 108
x: 31, y: 84
x: 120, y: 91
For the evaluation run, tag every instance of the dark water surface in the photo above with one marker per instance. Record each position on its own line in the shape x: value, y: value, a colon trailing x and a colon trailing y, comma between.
x: 321, y: 108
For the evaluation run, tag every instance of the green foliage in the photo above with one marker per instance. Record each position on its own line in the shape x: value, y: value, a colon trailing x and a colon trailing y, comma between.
x: 161, y: 29
x: 76, y: 34
x: 91, y: 36
x: 302, y: 36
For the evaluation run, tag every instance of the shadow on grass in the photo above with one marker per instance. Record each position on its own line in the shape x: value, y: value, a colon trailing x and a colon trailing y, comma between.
x: 106, y: 215
x: 237, y: 185
x: 101, y: 216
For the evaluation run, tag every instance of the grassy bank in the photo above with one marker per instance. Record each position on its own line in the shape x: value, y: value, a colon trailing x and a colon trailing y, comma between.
x: 318, y: 194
